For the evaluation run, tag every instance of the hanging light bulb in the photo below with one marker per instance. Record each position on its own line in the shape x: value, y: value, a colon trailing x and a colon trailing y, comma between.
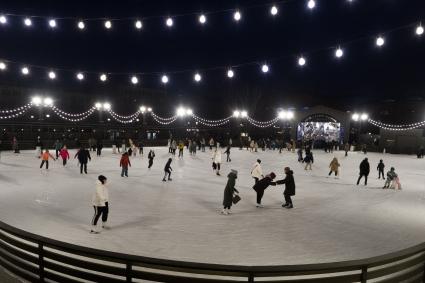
x: 265, y: 68
x: 197, y: 77
x: 230, y: 73
x: 108, y: 24
x: 311, y: 4
x: 103, y: 77
x: 138, y: 24
x: 302, y: 61
x: 3, y: 66
x: 28, y: 22
x: 52, y: 75
x: 25, y: 71
x: 81, y: 25
x: 274, y: 11
x: 339, y: 53
x: 237, y: 16
x: 80, y: 76
x: 169, y: 22
x: 3, y: 19
x: 380, y: 41
x: 164, y: 79
x: 134, y: 80
x: 202, y: 19
x: 52, y: 23
x: 419, y: 30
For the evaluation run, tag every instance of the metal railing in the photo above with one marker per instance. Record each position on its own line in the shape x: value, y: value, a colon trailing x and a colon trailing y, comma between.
x: 40, y: 259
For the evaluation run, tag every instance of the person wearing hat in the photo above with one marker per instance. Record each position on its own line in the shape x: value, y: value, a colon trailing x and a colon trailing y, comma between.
x: 257, y: 171
x: 100, y: 204
x: 391, y: 177
x: 289, y: 187
x: 229, y: 191
x: 262, y: 185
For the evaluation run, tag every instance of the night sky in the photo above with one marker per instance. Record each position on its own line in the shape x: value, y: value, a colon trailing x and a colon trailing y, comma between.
x: 365, y: 76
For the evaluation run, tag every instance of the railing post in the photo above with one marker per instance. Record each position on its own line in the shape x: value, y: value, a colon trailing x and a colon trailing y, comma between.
x: 128, y: 269
x: 364, y: 274
x: 41, y: 261
x: 250, y: 277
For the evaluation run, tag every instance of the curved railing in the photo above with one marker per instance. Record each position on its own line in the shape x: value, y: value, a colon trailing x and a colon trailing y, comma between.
x: 40, y: 259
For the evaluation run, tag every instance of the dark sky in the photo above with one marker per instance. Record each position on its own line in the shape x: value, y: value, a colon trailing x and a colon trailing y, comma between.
x: 365, y: 75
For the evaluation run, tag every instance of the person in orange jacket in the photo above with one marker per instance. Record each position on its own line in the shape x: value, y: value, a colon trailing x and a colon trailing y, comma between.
x: 45, y: 158
x: 124, y: 163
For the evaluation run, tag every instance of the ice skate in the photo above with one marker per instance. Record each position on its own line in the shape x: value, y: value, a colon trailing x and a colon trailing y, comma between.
x: 94, y: 230
x: 229, y: 211
x: 164, y: 180
x: 259, y: 205
x: 285, y: 205
x: 224, y: 212
x: 218, y: 174
x: 105, y: 226
x: 289, y: 206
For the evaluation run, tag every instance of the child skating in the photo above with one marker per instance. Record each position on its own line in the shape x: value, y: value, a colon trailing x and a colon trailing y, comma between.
x: 167, y: 170
x: 124, y: 164
x: 45, y: 159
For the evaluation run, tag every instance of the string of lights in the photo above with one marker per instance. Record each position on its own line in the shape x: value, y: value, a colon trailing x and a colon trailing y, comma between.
x: 18, y: 109
x: 74, y: 117
x: 63, y: 113
x: 15, y: 114
x: 163, y: 119
x: 229, y: 71
x: 401, y: 127
x: 215, y: 124
x: 163, y: 122
x: 129, y: 117
x: 139, y: 23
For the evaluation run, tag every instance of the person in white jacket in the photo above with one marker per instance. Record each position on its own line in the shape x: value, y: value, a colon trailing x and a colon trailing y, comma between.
x: 216, y: 158
x: 257, y: 171
x: 100, y: 204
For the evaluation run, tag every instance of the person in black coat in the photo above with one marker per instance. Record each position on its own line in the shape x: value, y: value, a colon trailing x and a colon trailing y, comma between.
x: 380, y: 169
x: 364, y: 171
x: 229, y: 191
x: 151, y: 156
x: 263, y: 184
x: 167, y: 170
x: 289, y: 187
x: 99, y: 147
x: 83, y: 157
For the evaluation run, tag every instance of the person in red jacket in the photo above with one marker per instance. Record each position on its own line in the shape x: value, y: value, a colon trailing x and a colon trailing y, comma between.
x: 124, y: 163
x: 64, y: 154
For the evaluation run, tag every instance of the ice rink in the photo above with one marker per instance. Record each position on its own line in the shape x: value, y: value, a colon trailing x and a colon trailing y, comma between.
x: 333, y: 219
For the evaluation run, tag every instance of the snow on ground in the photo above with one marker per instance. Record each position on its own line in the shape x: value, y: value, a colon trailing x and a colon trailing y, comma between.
x: 333, y: 219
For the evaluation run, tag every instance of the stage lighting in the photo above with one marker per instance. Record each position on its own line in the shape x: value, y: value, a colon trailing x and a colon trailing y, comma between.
x: 364, y: 117
x: 48, y: 101
x: 36, y: 100
x: 142, y: 109
x: 355, y: 117
x: 302, y: 61
x: 106, y: 106
x: 3, y: 66
x: 311, y: 4
x: 3, y: 20
x: 108, y: 24
x: 380, y: 41
x: 28, y: 22
x: 81, y: 25
x: 339, y: 53
x: 189, y: 112
x: 419, y: 30
x: 181, y: 112
x: 169, y: 22
x: 98, y: 105
x: 236, y: 114
x: 244, y: 114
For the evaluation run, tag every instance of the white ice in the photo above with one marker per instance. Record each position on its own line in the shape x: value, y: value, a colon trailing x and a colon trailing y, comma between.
x: 333, y: 219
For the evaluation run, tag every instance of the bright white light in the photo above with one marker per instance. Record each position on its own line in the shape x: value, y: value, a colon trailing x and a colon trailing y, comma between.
x: 237, y: 16
x: 244, y: 114
x: 142, y: 109
x: 302, y: 61
x: 420, y: 30
x: 311, y: 4
x: 47, y: 115
x: 197, y: 77
x: 36, y: 100
x: 98, y: 105
x: 230, y: 73
x: 265, y: 68
x: 339, y: 53
x: 3, y: 66
x: 282, y: 115
x: 290, y: 115
x: 134, y: 80
x: 380, y: 41
x: 3, y: 20
x: 364, y: 117
x: 189, y: 112
x: 149, y: 109
x: 103, y: 77
x: 52, y: 23
x: 236, y: 114
x: 81, y: 25
x: 80, y: 76
x: 108, y: 24
x: 164, y: 79
x: 181, y: 111
x: 28, y: 22
x: 169, y: 22
x: 138, y: 24
x: 52, y: 75
x: 106, y: 106
x: 202, y: 19
x: 25, y: 71
x: 274, y: 11
x: 355, y: 117
x: 48, y: 101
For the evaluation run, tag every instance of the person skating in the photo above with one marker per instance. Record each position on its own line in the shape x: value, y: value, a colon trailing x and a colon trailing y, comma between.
x: 181, y: 148
x: 173, y: 147
x: 300, y: 154
x: 211, y: 143
x: 308, y: 160
x: 216, y: 158
x: 203, y: 144
x: 257, y: 171
x: 380, y: 168
x: 364, y: 171
x: 99, y: 147
x: 64, y: 154
x: 38, y: 148
x: 141, y: 146
x: 167, y: 170
x: 151, y: 156
x: 45, y: 159
x: 15, y: 145
x: 227, y: 152
x: 289, y: 191
x: 58, y: 146
x: 124, y: 164
x: 263, y: 184
x: 346, y: 148
x: 334, y: 166
x: 229, y: 191
x: 83, y: 157
x: 100, y: 202
x: 391, y: 176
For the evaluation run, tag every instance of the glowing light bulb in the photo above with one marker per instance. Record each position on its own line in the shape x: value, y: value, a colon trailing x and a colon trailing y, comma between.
x: 230, y: 73
x: 380, y: 41
x: 236, y: 114
x: 3, y: 20
x: 265, y: 68
x: 80, y: 76
x: 164, y: 79
x: 142, y: 109
x: 202, y: 19
x: 138, y: 24
x: 355, y: 117
x: 98, y: 105
x: 134, y: 80
x: 107, y: 106
x: 302, y: 61
x: 274, y: 11
x: 48, y: 101
x: 237, y: 16
x: 420, y: 30
x: 52, y: 75
x: 28, y: 22
x: 339, y: 53
x: 108, y: 24
x: 25, y: 71
x: 311, y: 4
x: 36, y: 100
x: 364, y: 117
x: 244, y: 114
x: 197, y: 77
x: 52, y: 23
x: 103, y: 77
x: 169, y: 22
x: 81, y: 25
x: 3, y: 66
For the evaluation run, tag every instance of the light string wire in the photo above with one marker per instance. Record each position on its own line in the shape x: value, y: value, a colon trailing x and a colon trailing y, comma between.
x: 7, y: 111
x: 400, y: 127
x: 221, y: 67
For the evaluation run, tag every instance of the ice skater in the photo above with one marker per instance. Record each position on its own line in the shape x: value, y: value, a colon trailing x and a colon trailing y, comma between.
x: 380, y: 168
x: 83, y: 157
x: 229, y: 192
x: 300, y: 154
x: 124, y: 164
x: 167, y: 170
x: 99, y: 147
x: 64, y: 154
x: 151, y: 156
x: 257, y: 171
x: 181, y: 149
x: 289, y: 191
x: 100, y: 202
x: 216, y: 158
x: 391, y: 177
x: 261, y: 185
x: 227, y: 152
x: 334, y: 166
x: 364, y: 171
x: 58, y: 146
x: 308, y: 160
x: 346, y: 148
x: 45, y: 159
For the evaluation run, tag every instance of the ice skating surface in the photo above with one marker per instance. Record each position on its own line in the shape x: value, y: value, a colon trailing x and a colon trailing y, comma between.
x: 333, y: 219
